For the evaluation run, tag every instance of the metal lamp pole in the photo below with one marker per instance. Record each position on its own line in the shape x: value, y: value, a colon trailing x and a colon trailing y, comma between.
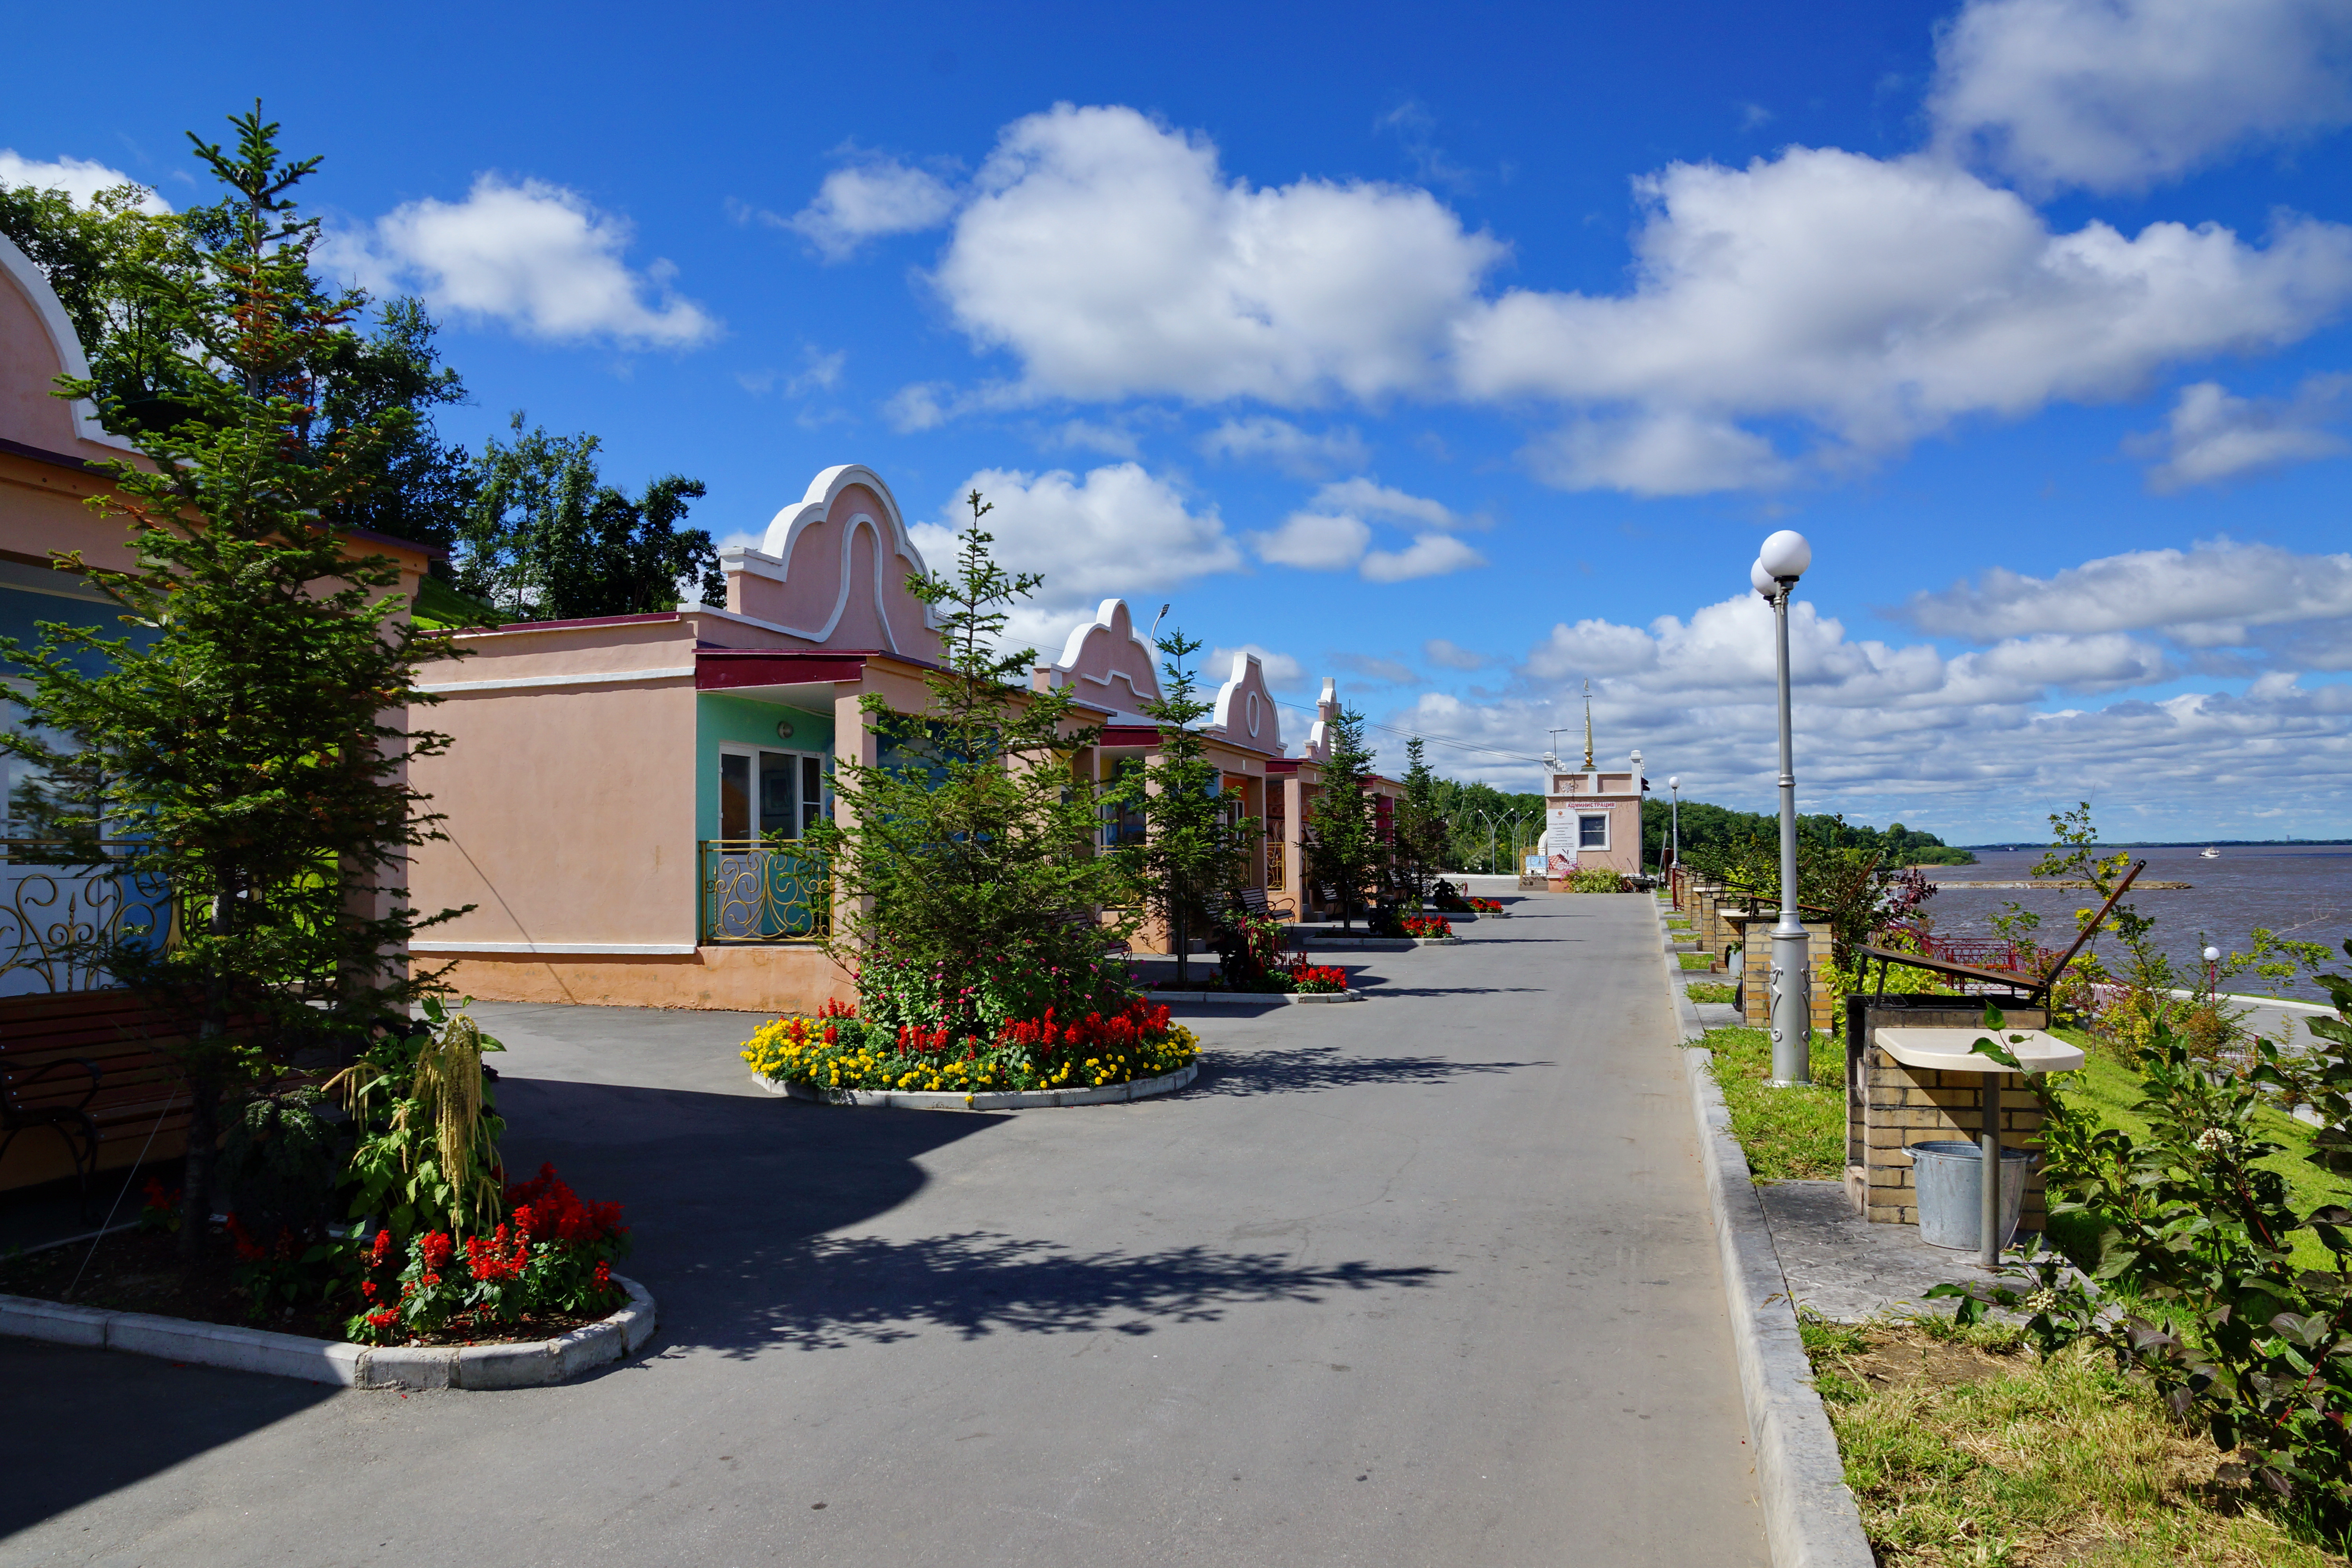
x: 1674, y: 812
x: 1777, y: 566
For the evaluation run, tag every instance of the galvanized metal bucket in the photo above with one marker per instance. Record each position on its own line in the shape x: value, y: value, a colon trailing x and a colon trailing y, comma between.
x: 1944, y: 1175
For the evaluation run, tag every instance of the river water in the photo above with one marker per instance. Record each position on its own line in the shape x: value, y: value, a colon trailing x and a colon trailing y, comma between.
x: 2304, y: 891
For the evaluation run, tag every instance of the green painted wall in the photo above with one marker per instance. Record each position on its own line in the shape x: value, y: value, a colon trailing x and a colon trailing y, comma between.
x: 718, y: 717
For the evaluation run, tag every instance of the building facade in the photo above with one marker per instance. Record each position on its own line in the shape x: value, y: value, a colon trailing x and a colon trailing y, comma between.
x: 621, y: 795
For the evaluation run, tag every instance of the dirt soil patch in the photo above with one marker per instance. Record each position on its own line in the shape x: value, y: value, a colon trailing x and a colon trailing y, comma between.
x: 139, y: 1271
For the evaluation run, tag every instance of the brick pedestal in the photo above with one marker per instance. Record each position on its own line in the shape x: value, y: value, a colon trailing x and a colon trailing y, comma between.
x: 1890, y: 1106
x: 1756, y: 975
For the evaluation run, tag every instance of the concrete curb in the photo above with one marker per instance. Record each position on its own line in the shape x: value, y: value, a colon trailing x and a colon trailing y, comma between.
x: 1686, y: 1010
x: 339, y: 1363
x: 1006, y: 1099
x: 1251, y: 998
x: 1810, y: 1517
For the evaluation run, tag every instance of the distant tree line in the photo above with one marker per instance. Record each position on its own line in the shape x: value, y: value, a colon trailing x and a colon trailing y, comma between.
x: 531, y: 531
x: 1710, y: 830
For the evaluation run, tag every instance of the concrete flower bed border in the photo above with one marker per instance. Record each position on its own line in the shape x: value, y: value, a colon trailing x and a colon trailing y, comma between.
x: 1251, y: 998
x: 1002, y: 1100
x: 533, y: 1364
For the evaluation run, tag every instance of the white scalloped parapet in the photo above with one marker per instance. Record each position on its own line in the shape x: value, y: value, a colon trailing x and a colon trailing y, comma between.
x: 1107, y: 663
x: 832, y: 569
x: 29, y: 411
x: 1245, y: 713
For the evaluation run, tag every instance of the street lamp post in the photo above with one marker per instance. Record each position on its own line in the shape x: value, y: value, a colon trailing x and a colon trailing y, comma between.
x: 1641, y: 793
x: 1674, y: 814
x: 1777, y: 566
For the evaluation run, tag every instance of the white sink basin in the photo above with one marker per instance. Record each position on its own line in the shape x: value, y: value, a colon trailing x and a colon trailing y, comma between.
x: 1946, y: 1050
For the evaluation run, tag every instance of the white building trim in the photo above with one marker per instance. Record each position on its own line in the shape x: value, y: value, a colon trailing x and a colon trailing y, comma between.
x: 614, y: 949
x: 592, y: 678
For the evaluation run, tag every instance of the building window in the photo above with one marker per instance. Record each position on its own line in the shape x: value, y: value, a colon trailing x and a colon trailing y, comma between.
x: 1593, y: 832
x: 768, y: 795
x: 1123, y: 820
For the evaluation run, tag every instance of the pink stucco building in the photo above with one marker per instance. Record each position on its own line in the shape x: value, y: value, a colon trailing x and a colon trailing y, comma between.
x: 621, y: 792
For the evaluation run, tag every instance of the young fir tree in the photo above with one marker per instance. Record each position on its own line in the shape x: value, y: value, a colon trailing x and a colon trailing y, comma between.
x: 965, y: 881
x: 243, y: 743
x: 1421, y: 827
x: 1190, y: 849
x: 1344, y: 851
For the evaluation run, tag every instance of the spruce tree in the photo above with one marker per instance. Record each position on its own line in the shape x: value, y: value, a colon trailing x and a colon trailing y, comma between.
x: 1421, y: 828
x: 1190, y: 850
x: 1343, y: 845
x: 966, y: 885
x: 245, y: 742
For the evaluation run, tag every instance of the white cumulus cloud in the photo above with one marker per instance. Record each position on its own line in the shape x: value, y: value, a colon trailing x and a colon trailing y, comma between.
x: 80, y: 178
x: 1118, y: 531
x: 2212, y: 436
x: 2219, y: 593
x: 1428, y: 555
x: 1316, y: 542
x: 1878, y: 300
x: 1266, y: 439
x: 2116, y: 95
x: 1114, y: 257
x: 538, y: 256
x: 867, y: 199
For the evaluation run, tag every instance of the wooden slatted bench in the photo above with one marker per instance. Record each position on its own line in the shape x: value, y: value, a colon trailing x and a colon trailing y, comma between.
x: 90, y: 1067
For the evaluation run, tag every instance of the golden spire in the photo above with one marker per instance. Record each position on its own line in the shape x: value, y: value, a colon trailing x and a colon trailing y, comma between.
x: 1588, y: 726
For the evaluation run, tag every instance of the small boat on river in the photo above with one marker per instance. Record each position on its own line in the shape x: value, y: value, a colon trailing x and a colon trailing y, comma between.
x: 2209, y: 853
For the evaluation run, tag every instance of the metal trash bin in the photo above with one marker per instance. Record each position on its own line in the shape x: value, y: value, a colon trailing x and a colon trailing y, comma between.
x: 1943, y: 1175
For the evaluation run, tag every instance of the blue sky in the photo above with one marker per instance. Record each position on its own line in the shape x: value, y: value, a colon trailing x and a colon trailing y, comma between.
x: 1460, y: 355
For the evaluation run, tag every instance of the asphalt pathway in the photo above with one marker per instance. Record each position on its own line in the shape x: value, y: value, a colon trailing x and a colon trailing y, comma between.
x: 1425, y: 1279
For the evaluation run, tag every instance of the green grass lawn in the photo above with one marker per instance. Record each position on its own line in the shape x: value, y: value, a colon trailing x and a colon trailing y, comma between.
x: 1711, y: 991
x: 1798, y: 1134
x: 1789, y: 1134
x: 1696, y: 961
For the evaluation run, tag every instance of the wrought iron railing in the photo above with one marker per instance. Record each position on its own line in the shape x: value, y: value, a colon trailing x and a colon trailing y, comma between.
x: 753, y: 891
x: 56, y: 919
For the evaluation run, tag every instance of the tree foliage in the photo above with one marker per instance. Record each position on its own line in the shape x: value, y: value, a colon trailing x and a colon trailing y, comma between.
x: 122, y: 267
x: 244, y: 741
x: 1706, y: 827
x: 1421, y: 830
x: 1191, y: 847
x: 544, y: 538
x: 1344, y: 852
x: 966, y: 884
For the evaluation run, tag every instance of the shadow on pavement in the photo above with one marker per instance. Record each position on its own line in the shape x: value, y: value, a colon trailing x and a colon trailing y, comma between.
x: 828, y: 1292
x: 89, y: 1422
x: 1299, y: 1069
x: 734, y: 1199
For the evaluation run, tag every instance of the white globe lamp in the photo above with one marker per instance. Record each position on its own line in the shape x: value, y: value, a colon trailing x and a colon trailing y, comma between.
x: 1785, y: 555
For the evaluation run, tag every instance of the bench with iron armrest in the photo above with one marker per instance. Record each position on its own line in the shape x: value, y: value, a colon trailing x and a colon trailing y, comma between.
x: 92, y: 1066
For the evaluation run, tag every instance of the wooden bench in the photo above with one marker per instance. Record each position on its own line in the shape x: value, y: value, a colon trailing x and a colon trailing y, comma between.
x: 90, y: 1066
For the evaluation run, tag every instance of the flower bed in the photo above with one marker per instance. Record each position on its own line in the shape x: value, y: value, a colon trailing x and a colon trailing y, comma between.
x: 1316, y: 979
x: 837, y: 1050
x: 1428, y: 926
x: 544, y: 1271
x: 552, y: 1256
